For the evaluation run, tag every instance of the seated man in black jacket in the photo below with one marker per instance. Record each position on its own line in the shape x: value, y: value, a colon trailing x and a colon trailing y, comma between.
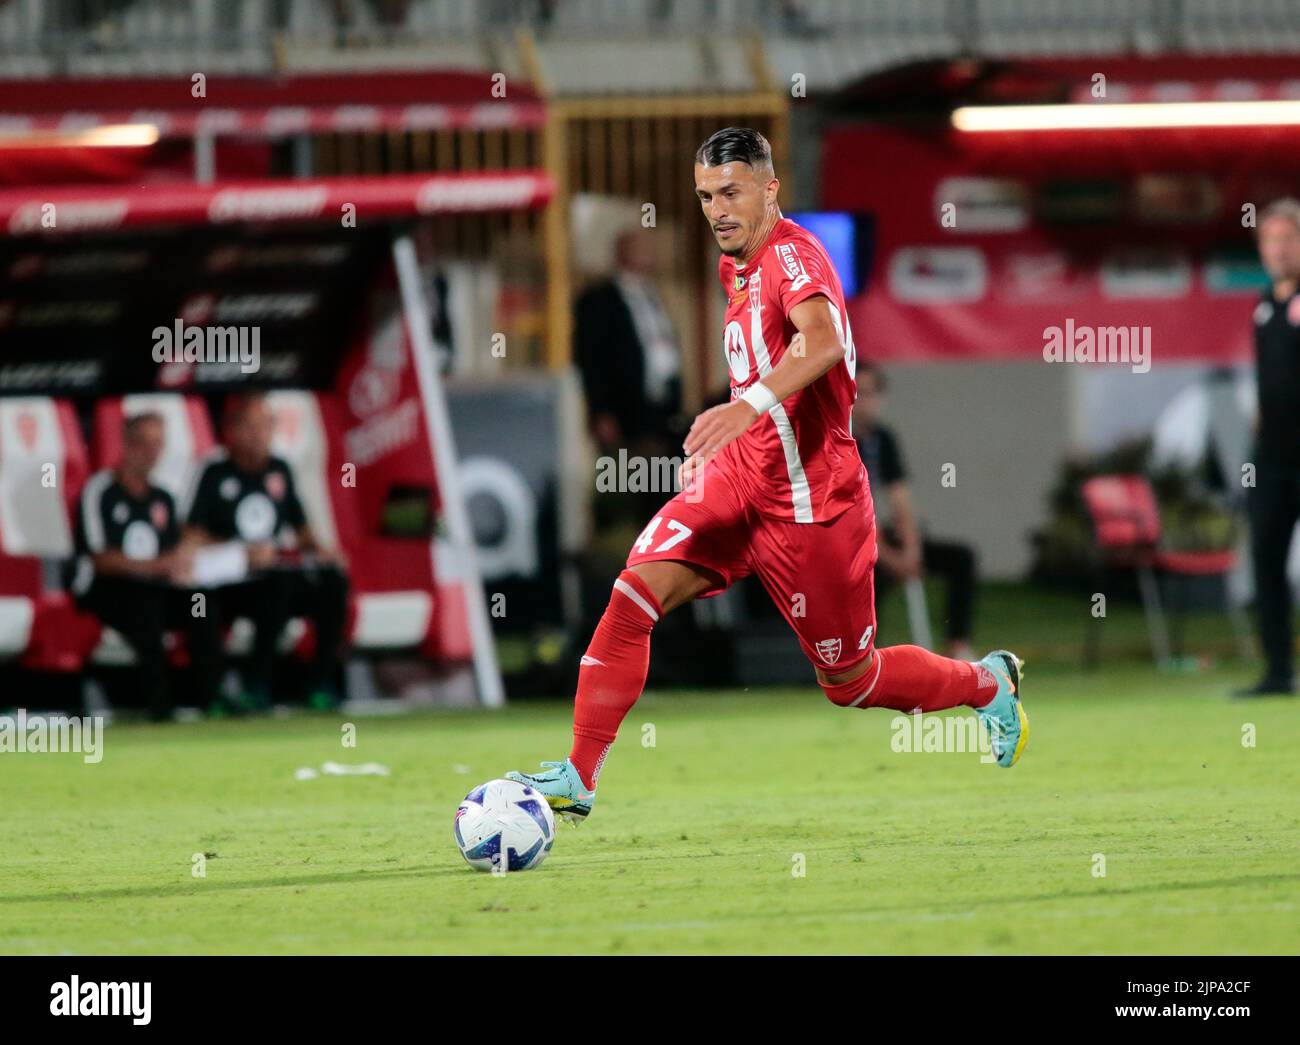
x: 903, y: 553
x: 134, y: 572
x: 245, y: 494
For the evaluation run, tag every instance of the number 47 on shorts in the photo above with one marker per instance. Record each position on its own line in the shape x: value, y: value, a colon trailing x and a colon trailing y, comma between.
x: 676, y: 534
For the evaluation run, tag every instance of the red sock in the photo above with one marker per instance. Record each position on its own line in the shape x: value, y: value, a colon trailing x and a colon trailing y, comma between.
x: 909, y: 678
x: 613, y: 673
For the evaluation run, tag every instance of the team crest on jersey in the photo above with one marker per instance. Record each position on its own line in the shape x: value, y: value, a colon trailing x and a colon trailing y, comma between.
x: 1293, y: 311
x: 275, y: 485
x: 740, y: 282
x: 1263, y: 312
x: 229, y: 488
x: 793, y: 266
x: 158, y: 515
x: 120, y: 513
x: 829, y: 650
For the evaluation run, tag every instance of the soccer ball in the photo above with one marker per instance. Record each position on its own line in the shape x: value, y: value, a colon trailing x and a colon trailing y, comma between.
x: 504, y: 826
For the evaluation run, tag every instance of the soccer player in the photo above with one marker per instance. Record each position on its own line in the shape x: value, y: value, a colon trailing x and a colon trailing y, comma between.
x: 244, y: 493
x: 903, y: 553
x: 772, y: 485
x: 138, y: 580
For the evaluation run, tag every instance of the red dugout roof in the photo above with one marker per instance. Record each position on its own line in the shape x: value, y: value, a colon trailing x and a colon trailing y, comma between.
x: 35, y: 211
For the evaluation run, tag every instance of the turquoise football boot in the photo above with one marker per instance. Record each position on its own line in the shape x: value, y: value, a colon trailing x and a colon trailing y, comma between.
x: 562, y: 788
x: 1004, y: 716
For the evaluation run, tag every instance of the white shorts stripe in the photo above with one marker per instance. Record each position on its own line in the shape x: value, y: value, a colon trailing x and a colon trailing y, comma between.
x: 635, y: 596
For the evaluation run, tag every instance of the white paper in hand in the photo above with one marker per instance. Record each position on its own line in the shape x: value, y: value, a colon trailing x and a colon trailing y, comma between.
x: 216, y: 564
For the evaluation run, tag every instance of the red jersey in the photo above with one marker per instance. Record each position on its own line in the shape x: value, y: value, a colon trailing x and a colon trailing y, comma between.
x: 799, y: 463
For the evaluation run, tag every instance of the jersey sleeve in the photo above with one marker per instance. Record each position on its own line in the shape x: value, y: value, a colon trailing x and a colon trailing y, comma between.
x: 202, y: 500
x: 171, y: 534
x: 803, y: 271
x: 79, y: 541
x: 92, y: 515
x: 891, y: 458
x: 292, y: 509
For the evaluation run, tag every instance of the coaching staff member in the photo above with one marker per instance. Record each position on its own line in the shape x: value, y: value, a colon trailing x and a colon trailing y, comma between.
x: 133, y: 571
x: 1274, y: 503
x: 244, y: 493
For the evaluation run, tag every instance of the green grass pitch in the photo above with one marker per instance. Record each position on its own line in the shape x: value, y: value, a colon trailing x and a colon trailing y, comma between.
x: 694, y: 840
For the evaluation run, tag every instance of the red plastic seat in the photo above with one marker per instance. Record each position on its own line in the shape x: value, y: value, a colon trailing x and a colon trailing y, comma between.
x: 1125, y: 518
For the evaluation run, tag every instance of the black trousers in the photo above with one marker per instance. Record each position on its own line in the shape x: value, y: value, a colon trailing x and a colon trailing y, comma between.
x: 1274, y: 506
x: 271, y: 599
x: 955, y: 563
x: 143, y: 611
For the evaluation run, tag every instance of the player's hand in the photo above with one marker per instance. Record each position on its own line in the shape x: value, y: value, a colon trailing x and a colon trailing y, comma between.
x: 689, y: 471
x: 178, y: 565
x: 909, y: 563
x: 331, y: 557
x: 718, y: 427
x: 260, y: 556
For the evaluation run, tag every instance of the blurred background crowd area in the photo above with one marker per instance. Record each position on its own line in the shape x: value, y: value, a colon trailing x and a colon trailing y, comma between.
x: 606, y: 102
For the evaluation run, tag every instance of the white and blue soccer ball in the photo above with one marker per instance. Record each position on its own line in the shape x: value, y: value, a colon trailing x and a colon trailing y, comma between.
x: 504, y: 826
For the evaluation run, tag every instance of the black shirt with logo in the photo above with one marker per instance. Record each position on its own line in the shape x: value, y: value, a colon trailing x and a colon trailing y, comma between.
x: 1277, y: 371
x: 881, y: 455
x: 231, y: 504
x: 109, y: 518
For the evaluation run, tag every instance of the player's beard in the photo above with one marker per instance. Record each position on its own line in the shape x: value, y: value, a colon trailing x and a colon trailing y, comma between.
x: 734, y: 251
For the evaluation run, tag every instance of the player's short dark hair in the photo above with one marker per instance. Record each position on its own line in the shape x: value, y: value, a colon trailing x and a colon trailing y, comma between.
x: 131, y: 425
x: 877, y: 373
x: 1288, y: 207
x: 735, y: 145
x: 237, y: 404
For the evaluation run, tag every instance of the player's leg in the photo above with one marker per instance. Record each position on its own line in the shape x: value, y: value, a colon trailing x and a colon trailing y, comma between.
x: 955, y: 563
x: 1274, y: 510
x: 136, y: 609
x: 201, y: 625
x: 319, y: 593
x: 692, y: 548
x: 613, y: 671
x: 820, y: 576
x: 263, y: 600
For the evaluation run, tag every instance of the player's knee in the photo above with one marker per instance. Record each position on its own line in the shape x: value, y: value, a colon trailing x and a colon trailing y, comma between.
x: 632, y: 595
x: 856, y: 692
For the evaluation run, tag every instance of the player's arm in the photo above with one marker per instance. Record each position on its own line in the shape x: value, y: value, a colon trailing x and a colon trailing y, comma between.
x: 905, y: 560
x: 113, y: 562
x: 815, y: 348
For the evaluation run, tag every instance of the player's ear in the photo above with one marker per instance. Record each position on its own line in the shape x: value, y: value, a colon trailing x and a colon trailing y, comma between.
x: 773, y: 187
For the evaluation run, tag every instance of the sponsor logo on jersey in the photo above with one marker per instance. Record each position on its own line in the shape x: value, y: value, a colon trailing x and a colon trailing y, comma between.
x: 140, y: 541
x: 792, y: 264
x: 733, y: 344
x: 255, y: 518
x: 829, y: 650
